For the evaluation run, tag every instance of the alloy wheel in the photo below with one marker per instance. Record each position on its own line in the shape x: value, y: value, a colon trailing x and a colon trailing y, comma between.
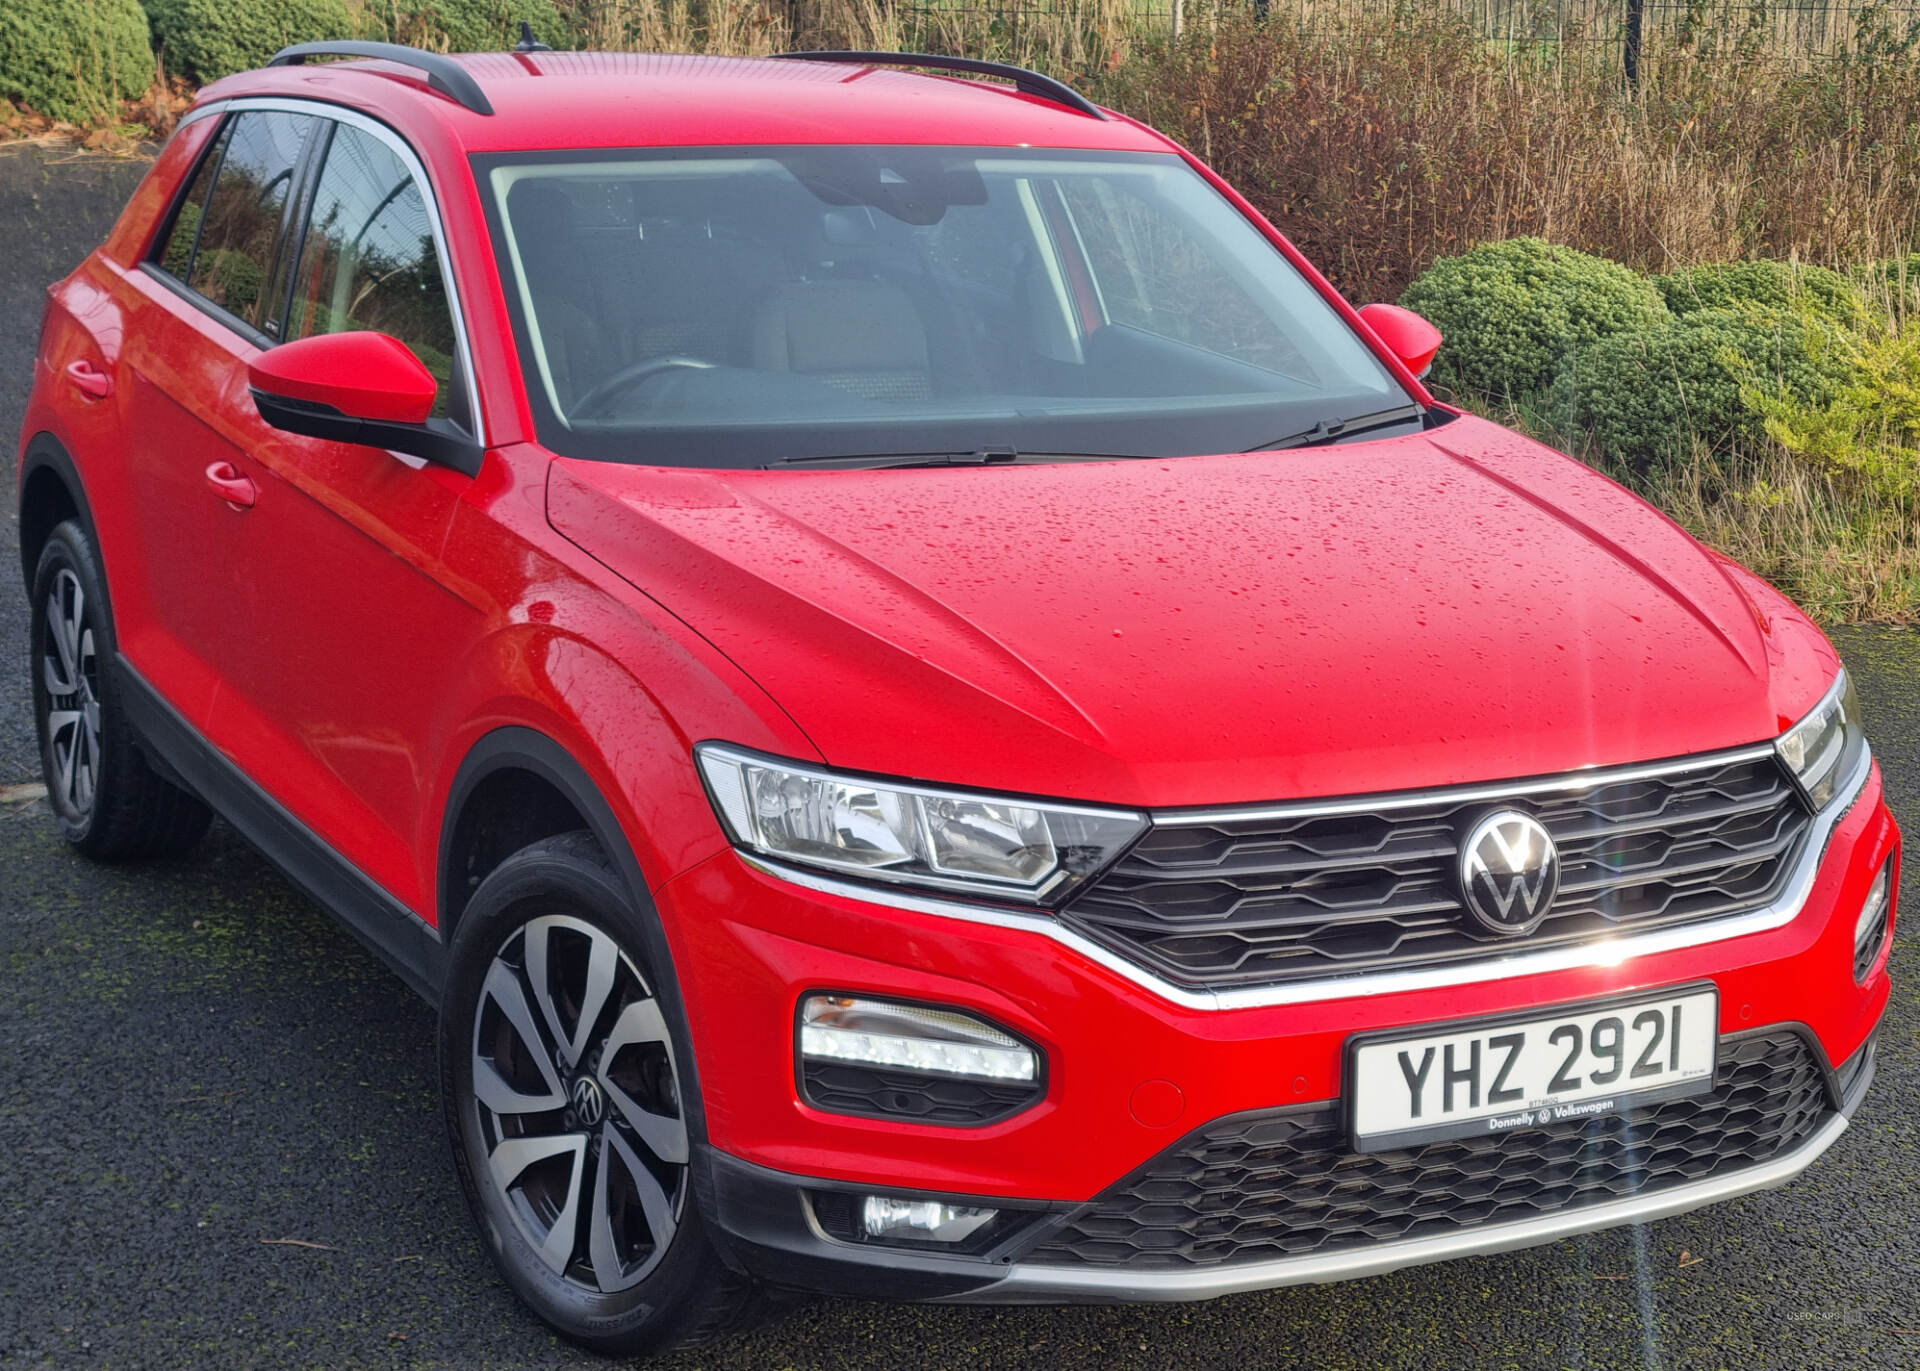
x: 70, y: 672
x: 579, y: 1103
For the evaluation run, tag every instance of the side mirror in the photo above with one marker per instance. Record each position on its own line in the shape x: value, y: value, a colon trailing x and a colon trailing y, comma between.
x: 360, y: 387
x: 1406, y: 335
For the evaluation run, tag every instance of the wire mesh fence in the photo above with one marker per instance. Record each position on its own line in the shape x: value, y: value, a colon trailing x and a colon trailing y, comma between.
x: 1779, y: 30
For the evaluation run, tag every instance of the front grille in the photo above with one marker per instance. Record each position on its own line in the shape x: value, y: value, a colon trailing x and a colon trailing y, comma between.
x: 1263, y: 901
x: 1256, y: 1187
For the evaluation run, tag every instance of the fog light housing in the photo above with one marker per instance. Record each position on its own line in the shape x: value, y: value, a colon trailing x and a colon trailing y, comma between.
x: 1871, y: 927
x: 953, y: 1224
x: 888, y: 1218
x: 891, y: 1059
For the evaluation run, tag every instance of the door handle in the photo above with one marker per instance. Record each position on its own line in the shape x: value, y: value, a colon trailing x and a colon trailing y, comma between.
x: 231, y: 485
x: 95, y: 385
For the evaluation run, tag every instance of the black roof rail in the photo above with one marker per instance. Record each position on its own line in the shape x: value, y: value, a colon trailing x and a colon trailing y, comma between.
x: 443, y: 73
x: 1032, y: 82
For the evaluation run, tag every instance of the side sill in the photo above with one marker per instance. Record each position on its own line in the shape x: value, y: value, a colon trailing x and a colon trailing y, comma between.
x: 399, y: 937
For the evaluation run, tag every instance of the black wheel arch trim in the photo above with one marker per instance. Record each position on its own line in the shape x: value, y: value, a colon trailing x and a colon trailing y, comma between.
x: 45, y: 452
x: 518, y: 748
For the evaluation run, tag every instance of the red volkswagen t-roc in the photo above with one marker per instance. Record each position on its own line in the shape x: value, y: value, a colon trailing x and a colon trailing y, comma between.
x: 938, y: 714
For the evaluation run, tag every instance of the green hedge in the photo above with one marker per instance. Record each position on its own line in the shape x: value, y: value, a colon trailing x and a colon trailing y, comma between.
x: 1647, y: 397
x: 73, y: 59
x: 1514, y: 312
x: 208, y: 39
x: 1775, y: 285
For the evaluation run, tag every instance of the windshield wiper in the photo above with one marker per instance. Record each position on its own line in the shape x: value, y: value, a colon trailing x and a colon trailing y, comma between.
x: 982, y: 457
x: 1332, y: 430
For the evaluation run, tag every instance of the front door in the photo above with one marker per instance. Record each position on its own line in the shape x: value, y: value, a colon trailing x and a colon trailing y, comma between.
x: 354, y: 630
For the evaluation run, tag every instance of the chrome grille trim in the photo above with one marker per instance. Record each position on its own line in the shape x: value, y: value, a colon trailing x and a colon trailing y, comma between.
x: 1565, y: 782
x: 1784, y: 909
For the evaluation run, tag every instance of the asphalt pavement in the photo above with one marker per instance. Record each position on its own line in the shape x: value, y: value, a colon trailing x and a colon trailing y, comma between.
x: 220, y: 1145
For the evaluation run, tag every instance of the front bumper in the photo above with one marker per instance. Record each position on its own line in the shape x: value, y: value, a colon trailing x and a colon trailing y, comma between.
x: 749, y: 945
x: 770, y: 1227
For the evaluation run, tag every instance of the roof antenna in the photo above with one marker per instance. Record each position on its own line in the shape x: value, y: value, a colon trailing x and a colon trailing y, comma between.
x: 528, y: 43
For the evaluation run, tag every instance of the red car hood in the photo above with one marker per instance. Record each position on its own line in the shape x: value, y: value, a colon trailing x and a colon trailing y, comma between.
x: 1462, y: 605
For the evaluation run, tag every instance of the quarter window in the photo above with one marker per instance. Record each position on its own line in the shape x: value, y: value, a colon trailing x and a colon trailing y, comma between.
x: 238, y: 240
x: 176, y: 255
x: 369, y: 260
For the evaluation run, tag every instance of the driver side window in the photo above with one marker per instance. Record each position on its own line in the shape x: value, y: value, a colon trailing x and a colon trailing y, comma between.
x: 369, y: 262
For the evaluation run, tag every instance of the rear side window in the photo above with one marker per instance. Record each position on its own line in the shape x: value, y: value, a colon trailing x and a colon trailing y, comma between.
x: 239, y: 225
x: 369, y: 260
x: 176, y: 255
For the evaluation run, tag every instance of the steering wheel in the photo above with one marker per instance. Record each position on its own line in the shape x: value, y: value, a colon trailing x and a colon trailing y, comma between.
x: 591, y: 405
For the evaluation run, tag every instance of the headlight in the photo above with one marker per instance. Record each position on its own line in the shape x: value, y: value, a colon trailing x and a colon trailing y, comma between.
x: 988, y: 845
x: 1823, y: 746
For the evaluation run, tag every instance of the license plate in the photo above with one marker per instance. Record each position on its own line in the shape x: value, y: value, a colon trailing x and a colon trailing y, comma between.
x: 1500, y: 1075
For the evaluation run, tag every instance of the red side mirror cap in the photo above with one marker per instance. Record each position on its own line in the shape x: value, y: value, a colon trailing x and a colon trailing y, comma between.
x: 362, y: 375
x: 1405, y: 334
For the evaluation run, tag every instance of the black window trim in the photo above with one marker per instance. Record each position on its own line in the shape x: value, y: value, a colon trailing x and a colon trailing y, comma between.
x: 307, y: 179
x: 293, y: 226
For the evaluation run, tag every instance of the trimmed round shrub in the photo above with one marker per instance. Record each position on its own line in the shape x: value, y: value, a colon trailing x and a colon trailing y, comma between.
x: 1514, y: 312
x: 473, y: 25
x: 208, y: 39
x: 74, y: 59
x: 1776, y: 285
x: 1650, y: 396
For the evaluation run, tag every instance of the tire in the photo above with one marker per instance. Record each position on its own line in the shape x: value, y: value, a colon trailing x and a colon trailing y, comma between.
x: 557, y: 1125
x: 108, y: 802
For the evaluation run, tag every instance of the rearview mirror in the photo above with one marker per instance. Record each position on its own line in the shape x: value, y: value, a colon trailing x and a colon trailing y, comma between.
x: 1405, y: 334
x: 360, y: 387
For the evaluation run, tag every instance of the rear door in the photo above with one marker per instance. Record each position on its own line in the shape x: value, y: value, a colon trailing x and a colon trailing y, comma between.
x: 202, y: 305
x: 354, y: 628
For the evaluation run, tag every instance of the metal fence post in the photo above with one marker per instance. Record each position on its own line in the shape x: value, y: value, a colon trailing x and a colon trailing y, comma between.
x: 1636, y: 18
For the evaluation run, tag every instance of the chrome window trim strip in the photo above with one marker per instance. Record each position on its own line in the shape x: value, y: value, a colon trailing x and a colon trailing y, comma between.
x: 429, y: 194
x: 1783, y: 910
x: 1028, y: 1283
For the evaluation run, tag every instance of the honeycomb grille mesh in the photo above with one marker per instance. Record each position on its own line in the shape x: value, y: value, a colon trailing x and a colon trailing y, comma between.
x: 1268, y: 901
x: 1284, y: 1184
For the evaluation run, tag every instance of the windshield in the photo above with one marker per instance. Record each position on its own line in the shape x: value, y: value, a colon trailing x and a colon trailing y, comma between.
x: 756, y: 307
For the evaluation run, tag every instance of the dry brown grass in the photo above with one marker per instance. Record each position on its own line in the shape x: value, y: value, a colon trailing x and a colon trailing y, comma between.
x: 1075, y: 36
x: 1382, y: 139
